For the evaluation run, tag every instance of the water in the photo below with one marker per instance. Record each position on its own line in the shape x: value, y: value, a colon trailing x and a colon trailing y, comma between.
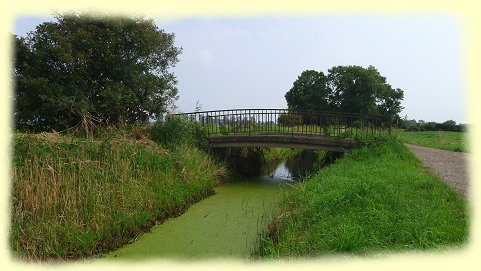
x: 295, y: 168
x: 282, y: 174
x: 225, y: 225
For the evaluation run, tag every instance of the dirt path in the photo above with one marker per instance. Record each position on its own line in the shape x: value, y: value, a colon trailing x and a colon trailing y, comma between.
x: 452, y: 167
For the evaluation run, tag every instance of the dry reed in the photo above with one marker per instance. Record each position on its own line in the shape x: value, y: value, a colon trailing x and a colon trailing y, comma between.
x: 76, y: 197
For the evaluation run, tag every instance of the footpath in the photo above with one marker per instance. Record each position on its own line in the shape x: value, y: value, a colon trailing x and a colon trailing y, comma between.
x: 450, y: 166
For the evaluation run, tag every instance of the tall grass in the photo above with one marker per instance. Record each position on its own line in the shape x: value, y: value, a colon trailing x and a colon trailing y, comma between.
x: 77, y: 197
x: 178, y: 131
x: 377, y: 198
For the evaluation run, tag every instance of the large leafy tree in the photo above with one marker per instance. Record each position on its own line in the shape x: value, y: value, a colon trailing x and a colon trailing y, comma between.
x: 309, y: 92
x: 81, y: 67
x: 347, y: 89
x: 359, y: 90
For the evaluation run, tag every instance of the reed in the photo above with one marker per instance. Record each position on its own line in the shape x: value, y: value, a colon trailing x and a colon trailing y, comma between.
x: 75, y: 197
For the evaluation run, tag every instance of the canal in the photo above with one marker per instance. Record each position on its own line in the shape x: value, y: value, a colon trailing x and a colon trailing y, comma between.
x: 225, y: 225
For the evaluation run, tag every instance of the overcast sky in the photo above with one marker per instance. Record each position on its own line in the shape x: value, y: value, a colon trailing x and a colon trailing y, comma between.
x: 252, y: 62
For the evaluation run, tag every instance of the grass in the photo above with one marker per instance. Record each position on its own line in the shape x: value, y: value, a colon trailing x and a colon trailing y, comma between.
x: 75, y: 197
x: 451, y: 141
x: 377, y: 198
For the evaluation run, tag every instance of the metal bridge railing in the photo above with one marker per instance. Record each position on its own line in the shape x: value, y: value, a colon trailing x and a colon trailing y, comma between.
x: 289, y: 121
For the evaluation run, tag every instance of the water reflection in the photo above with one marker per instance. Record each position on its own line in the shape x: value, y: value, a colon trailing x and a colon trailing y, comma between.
x: 295, y: 168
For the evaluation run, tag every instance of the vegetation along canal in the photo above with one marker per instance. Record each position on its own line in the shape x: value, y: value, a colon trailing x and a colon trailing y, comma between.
x: 224, y: 225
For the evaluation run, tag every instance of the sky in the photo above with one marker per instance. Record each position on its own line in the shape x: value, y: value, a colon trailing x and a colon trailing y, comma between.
x: 251, y: 62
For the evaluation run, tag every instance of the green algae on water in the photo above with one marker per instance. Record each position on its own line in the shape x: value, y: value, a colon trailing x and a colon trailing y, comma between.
x: 225, y: 225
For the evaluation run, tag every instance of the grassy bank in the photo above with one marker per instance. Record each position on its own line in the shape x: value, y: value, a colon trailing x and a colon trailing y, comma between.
x: 376, y: 198
x: 75, y: 197
x: 445, y: 140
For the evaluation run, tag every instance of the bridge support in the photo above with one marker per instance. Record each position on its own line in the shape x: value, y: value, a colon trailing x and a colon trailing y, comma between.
x: 287, y: 141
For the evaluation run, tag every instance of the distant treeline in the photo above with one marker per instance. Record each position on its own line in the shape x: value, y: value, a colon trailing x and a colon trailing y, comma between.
x: 449, y: 125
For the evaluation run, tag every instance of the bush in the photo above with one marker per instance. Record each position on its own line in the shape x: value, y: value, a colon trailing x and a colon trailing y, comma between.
x: 450, y: 125
x: 178, y: 131
x: 286, y: 119
x: 414, y: 128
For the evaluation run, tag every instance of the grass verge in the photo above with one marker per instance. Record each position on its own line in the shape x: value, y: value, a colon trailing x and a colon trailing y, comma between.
x: 375, y: 198
x: 445, y: 140
x: 76, y: 197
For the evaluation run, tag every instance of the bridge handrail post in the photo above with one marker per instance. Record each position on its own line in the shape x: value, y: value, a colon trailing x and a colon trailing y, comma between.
x: 319, y: 123
x: 208, y: 126
x: 249, y: 121
x: 292, y: 122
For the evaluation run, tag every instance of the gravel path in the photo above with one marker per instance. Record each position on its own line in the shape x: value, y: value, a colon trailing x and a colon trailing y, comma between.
x: 449, y: 166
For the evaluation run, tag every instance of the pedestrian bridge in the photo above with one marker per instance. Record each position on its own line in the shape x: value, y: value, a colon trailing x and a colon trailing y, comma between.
x: 306, y: 129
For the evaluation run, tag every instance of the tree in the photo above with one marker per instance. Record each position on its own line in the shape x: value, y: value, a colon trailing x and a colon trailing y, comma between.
x: 347, y: 89
x: 82, y: 68
x: 309, y: 92
x: 449, y: 125
x: 359, y: 90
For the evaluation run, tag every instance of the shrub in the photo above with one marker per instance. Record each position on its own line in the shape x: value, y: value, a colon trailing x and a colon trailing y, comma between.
x: 286, y: 119
x: 178, y: 131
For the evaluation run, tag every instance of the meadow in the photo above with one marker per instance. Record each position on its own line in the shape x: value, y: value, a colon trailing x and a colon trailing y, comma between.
x: 445, y: 140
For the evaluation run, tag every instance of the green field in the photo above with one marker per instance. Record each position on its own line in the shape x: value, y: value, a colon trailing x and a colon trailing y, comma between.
x: 451, y: 141
x: 375, y: 199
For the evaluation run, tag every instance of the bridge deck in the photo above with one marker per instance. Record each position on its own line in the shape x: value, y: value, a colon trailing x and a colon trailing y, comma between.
x: 289, y: 141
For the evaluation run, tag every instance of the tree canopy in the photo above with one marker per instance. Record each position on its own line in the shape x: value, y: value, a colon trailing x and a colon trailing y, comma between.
x: 309, y: 92
x: 111, y: 69
x: 351, y: 89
